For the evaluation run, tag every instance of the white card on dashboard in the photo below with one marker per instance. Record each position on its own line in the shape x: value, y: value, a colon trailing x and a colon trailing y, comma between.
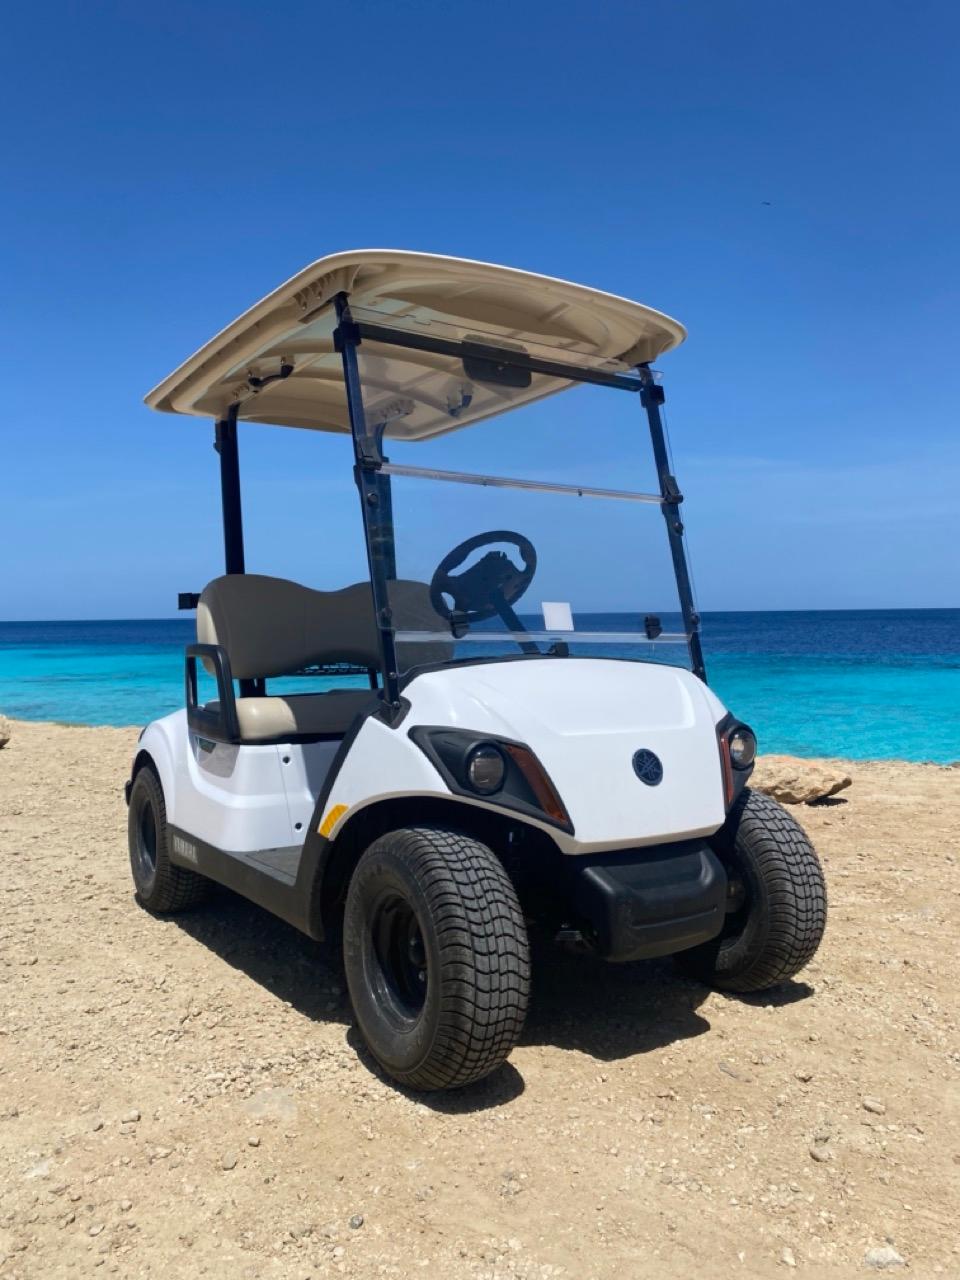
x: 557, y: 615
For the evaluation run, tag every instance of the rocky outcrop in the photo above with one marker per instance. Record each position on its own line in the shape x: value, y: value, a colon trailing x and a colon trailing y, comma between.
x: 794, y: 781
x: 6, y: 730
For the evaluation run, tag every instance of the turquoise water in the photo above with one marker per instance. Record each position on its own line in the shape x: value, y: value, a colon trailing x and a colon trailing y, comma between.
x: 866, y: 684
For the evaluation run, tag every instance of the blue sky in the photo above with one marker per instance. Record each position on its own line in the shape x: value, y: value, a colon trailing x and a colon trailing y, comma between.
x: 781, y: 177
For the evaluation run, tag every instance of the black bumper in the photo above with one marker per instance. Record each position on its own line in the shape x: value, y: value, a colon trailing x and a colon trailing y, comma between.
x: 649, y: 902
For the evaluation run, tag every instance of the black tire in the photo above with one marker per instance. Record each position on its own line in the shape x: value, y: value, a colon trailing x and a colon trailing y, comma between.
x: 779, y: 925
x: 436, y: 957
x: 161, y: 886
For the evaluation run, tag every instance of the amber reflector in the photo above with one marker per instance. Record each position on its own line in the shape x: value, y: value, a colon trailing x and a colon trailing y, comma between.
x: 539, y: 783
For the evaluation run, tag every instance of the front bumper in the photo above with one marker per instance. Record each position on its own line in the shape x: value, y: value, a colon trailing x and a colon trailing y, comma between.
x: 649, y: 902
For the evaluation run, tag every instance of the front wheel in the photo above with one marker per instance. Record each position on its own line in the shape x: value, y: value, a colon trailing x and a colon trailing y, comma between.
x: 779, y: 901
x: 436, y: 957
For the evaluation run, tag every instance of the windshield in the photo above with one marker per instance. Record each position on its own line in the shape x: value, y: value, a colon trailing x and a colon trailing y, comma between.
x: 538, y: 531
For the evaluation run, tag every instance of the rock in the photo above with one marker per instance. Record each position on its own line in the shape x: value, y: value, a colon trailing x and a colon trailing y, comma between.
x: 130, y: 1117
x: 729, y: 1070
x: 126, y: 1206
x: 272, y: 1104
x: 95, y: 1229
x: 821, y: 1152
x: 6, y: 731
x: 875, y: 1106
x: 228, y: 1161
x: 253, y: 1140
x: 794, y: 781
x: 883, y: 1257
x: 788, y: 1257
x: 356, y: 1222
x: 804, y: 1074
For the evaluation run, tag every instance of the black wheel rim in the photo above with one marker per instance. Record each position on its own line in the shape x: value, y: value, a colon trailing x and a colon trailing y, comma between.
x: 145, y: 846
x: 741, y: 904
x: 401, y: 957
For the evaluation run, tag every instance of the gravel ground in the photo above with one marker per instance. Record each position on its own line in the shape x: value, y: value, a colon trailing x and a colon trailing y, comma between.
x: 187, y: 1097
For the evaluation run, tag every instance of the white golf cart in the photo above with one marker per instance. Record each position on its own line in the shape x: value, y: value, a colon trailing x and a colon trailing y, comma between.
x: 494, y: 767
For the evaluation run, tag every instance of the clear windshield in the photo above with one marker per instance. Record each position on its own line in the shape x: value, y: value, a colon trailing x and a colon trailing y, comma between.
x: 536, y: 531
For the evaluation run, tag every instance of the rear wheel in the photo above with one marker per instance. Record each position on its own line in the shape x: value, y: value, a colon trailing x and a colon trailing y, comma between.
x: 779, y: 901
x: 436, y: 957
x: 161, y: 886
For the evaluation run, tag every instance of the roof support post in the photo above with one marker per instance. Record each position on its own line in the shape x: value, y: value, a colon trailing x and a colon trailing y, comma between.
x: 651, y: 397
x: 226, y: 446
x: 375, y: 502
x: 225, y: 443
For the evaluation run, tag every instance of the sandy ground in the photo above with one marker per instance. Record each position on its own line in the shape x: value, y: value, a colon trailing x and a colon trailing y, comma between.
x: 186, y: 1097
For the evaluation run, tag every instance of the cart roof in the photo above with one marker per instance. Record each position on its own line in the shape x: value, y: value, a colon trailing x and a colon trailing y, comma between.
x: 451, y: 298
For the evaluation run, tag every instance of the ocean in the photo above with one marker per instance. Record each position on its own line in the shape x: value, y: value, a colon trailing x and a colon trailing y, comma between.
x: 865, y: 684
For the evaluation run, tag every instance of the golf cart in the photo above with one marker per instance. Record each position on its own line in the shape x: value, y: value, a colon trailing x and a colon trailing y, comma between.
x: 459, y: 767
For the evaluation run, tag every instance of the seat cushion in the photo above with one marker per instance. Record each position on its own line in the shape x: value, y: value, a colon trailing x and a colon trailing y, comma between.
x: 299, y: 714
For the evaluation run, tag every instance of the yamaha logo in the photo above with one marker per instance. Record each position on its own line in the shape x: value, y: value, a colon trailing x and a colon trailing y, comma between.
x: 185, y: 849
x: 647, y: 767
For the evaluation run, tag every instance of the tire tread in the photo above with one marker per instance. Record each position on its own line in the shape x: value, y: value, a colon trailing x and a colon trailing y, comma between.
x: 794, y: 900
x: 175, y: 888
x: 484, y: 970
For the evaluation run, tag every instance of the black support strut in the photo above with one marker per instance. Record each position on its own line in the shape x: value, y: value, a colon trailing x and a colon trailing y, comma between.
x: 651, y: 397
x: 226, y: 447
x: 374, y: 500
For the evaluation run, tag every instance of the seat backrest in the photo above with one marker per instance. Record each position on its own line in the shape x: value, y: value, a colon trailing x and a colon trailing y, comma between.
x: 272, y: 627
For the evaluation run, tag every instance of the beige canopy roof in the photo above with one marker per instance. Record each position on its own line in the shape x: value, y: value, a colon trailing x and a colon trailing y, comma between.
x: 419, y: 394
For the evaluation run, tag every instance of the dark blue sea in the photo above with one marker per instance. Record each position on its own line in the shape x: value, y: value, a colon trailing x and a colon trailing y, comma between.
x: 866, y: 684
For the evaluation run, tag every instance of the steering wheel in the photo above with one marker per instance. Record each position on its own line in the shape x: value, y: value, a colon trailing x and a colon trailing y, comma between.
x: 489, y: 587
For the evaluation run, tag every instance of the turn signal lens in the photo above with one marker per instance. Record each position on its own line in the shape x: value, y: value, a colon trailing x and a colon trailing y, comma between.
x: 743, y: 747
x: 538, y: 782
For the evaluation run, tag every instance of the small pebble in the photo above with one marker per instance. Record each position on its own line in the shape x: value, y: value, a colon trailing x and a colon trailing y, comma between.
x: 356, y: 1222
x: 821, y: 1152
x: 883, y: 1257
x: 875, y: 1106
x: 253, y: 1140
x: 338, y: 1252
x: 228, y: 1161
x: 95, y: 1229
x: 788, y: 1258
x: 125, y: 1205
x: 804, y: 1074
x: 97, y: 1126
x: 130, y: 1117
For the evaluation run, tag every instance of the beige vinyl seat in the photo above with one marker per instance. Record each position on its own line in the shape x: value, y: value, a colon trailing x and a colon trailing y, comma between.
x: 285, y: 717
x: 271, y: 627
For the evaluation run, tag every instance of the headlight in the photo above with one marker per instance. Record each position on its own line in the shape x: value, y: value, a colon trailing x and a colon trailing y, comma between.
x: 486, y: 769
x: 743, y: 747
x: 505, y: 774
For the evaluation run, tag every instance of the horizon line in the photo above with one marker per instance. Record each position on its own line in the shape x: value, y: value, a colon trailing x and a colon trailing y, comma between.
x: 703, y: 613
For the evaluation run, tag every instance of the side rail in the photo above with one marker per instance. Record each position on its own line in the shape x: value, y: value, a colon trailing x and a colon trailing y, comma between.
x: 218, y: 721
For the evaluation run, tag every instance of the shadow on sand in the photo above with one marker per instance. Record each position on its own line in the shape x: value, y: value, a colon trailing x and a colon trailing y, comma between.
x: 606, y: 1011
